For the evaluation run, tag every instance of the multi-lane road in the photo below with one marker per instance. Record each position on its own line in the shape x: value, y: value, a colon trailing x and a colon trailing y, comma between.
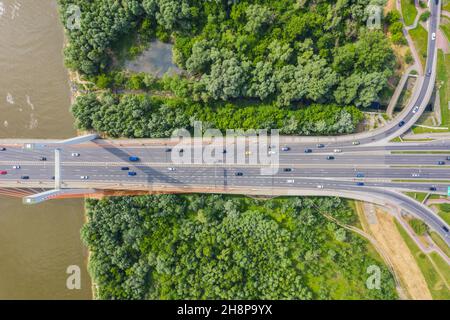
x: 377, y: 171
x: 364, y: 166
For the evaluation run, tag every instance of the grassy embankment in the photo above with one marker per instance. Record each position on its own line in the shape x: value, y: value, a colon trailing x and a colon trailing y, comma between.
x: 420, y: 36
x: 443, y: 72
x: 409, y: 11
x: 446, y: 5
x: 434, y: 269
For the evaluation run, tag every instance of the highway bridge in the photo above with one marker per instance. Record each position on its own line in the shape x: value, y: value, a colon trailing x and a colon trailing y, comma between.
x: 365, y: 166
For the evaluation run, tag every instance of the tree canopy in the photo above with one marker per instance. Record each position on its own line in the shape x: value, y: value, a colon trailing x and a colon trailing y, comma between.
x: 218, y: 247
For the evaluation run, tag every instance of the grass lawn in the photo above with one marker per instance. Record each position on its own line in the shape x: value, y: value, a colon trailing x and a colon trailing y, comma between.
x: 409, y: 11
x: 418, y: 130
x: 440, y: 243
x: 420, y: 37
x: 419, y: 196
x: 446, y: 5
x: 443, y: 72
x: 444, y: 212
x: 446, y: 29
x: 434, y: 281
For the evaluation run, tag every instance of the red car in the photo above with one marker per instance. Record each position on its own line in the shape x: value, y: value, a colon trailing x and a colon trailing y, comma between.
x: 3, y: 173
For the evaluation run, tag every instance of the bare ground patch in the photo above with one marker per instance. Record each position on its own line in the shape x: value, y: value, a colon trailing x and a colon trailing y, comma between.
x: 405, y: 266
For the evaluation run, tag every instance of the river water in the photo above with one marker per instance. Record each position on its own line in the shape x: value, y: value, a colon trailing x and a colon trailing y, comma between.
x: 39, y: 243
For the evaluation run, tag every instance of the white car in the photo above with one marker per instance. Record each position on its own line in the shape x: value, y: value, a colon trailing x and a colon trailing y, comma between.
x: 433, y: 36
x: 272, y: 152
x: 290, y: 181
x: 320, y: 186
x: 16, y: 167
x: 171, y: 169
x: 337, y: 150
x: 75, y: 154
x: 84, y: 177
x: 416, y: 108
x: 356, y: 143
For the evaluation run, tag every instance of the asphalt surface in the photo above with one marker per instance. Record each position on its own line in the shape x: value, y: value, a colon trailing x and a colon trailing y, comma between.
x: 363, y: 163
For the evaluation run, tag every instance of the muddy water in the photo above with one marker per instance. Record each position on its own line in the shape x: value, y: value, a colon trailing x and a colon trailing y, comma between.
x: 37, y: 244
x: 157, y: 60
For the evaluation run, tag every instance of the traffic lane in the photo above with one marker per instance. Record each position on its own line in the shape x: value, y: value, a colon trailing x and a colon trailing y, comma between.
x: 42, y: 170
x: 284, y: 157
x: 228, y: 176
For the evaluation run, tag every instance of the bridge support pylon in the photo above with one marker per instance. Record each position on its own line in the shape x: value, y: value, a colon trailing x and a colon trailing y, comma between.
x: 55, y: 194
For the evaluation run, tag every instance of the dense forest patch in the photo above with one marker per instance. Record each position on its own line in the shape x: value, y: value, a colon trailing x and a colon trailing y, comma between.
x: 142, y: 116
x: 220, y: 247
x: 279, y: 51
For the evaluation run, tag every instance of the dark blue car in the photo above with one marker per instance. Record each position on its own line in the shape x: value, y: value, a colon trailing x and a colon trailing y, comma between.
x: 132, y: 174
x: 125, y: 168
x: 360, y: 184
x: 401, y: 124
x: 360, y: 175
x: 133, y: 159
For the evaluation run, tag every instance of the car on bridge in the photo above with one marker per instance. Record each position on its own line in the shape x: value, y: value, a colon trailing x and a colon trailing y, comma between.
x: 330, y: 158
x: 25, y: 177
x: 84, y: 177
x: 75, y: 154
x: 133, y: 159
x: 132, y: 173
x: 238, y: 174
x: 401, y: 123
x: 441, y: 163
x: 16, y: 167
x: 2, y: 149
x: 42, y: 159
x: 287, y: 170
x: 320, y: 145
x: 308, y: 150
x: 285, y: 149
x: 3, y: 172
x: 360, y: 184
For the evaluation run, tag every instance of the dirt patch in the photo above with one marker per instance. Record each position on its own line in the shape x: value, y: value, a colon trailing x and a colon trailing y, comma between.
x: 390, y: 5
x: 384, y: 231
x: 388, y: 237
